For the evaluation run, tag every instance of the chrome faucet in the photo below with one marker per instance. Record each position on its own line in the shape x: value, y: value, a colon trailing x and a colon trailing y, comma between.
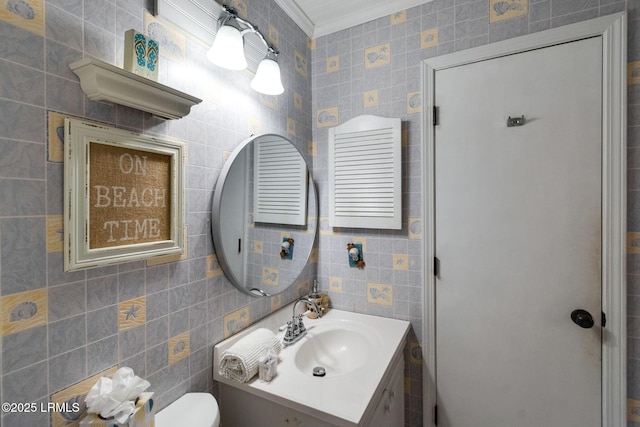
x: 295, y: 327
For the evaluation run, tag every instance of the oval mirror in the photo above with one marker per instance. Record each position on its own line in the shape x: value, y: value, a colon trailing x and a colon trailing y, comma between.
x: 264, y: 215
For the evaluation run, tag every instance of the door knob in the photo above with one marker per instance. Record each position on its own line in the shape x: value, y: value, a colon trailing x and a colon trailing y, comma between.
x: 582, y: 318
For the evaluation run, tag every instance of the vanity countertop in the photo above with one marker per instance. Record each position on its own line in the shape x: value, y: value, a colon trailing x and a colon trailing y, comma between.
x: 343, y: 396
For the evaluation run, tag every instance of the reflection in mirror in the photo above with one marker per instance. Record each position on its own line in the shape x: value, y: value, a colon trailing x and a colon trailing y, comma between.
x: 264, y: 215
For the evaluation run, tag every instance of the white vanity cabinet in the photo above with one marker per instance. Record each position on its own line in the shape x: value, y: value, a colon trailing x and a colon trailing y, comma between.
x: 364, y: 383
x: 386, y: 409
x: 389, y: 411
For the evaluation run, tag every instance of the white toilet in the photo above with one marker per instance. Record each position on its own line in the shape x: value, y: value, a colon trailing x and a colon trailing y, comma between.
x: 191, y: 409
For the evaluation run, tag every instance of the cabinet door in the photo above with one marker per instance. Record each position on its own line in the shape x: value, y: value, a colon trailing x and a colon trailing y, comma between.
x: 389, y: 411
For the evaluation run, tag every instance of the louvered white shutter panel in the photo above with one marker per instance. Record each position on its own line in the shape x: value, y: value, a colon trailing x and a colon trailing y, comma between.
x: 280, y: 183
x: 365, y: 173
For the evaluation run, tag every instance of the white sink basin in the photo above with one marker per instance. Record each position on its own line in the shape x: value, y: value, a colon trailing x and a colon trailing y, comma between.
x: 338, y: 347
x: 356, y: 351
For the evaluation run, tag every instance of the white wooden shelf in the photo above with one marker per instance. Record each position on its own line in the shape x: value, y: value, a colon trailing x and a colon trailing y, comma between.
x: 107, y: 83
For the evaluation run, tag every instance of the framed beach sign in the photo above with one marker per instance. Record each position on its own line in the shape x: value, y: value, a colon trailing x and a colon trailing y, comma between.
x: 124, y: 198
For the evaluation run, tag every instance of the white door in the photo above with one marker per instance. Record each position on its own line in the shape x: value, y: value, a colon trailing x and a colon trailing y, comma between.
x: 518, y: 238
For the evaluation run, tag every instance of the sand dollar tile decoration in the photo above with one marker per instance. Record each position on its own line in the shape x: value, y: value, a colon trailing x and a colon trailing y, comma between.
x: 379, y: 294
x: 377, y: 56
x: 327, y: 117
x: 400, y: 261
x: 270, y: 276
x: 236, y: 321
x: 415, y: 228
x: 399, y: 17
x: 171, y: 41
x: 132, y: 313
x: 414, y: 102
x: 333, y: 64
x: 335, y: 284
x: 429, y: 38
x: 26, y: 14
x: 633, y: 73
x: 300, y: 64
x: 179, y: 347
x: 24, y: 310
x: 55, y: 233
x: 371, y: 98
x: 213, y: 267
x: 499, y: 10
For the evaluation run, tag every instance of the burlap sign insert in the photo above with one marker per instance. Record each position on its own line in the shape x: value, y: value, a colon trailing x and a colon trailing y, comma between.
x: 129, y: 196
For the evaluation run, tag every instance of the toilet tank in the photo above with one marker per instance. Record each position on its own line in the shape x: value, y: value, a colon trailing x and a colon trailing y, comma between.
x: 192, y: 409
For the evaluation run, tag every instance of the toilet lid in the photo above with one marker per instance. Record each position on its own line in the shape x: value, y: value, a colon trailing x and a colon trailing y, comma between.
x: 192, y: 409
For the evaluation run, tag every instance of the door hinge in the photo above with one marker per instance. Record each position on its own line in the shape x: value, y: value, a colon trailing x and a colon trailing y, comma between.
x: 436, y: 266
x: 435, y: 115
x: 604, y: 319
x: 435, y: 415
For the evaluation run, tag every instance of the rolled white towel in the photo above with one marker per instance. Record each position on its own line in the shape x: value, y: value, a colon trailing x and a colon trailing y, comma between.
x: 240, y: 361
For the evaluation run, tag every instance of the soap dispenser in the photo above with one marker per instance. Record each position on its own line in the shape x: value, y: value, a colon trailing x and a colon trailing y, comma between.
x: 321, y: 299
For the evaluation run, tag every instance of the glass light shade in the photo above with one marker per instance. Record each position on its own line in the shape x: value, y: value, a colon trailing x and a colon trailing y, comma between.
x: 267, y: 78
x: 227, y: 50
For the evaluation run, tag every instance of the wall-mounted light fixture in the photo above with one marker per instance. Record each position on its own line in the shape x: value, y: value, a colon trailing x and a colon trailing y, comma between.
x: 227, y: 51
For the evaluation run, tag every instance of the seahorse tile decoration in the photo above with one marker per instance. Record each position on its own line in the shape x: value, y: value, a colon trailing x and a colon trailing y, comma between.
x: 141, y: 54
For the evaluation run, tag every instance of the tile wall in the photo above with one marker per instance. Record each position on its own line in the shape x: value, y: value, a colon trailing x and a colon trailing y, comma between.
x: 61, y: 331
x: 374, y: 68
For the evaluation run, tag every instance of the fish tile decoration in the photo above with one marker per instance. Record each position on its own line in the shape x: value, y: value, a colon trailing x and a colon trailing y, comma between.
x: 505, y: 9
x: 270, y: 276
x: 141, y: 55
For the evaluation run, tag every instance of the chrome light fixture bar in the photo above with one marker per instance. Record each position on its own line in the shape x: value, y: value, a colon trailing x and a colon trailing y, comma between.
x: 227, y: 51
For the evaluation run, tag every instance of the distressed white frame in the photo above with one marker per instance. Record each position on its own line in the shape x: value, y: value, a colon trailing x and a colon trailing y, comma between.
x: 612, y: 29
x: 77, y: 254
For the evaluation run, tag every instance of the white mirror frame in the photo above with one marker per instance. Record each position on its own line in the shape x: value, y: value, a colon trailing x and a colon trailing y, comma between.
x: 77, y: 254
x: 612, y: 29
